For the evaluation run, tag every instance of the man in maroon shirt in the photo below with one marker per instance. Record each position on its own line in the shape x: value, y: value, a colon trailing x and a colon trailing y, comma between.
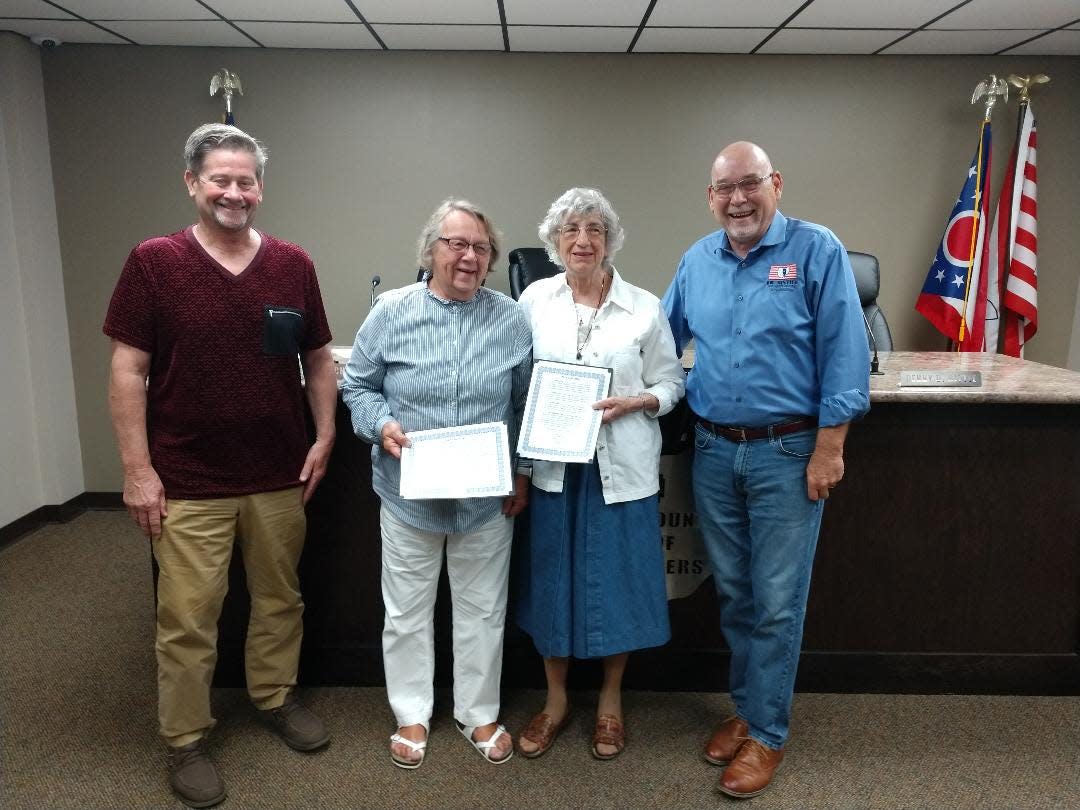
x: 205, y: 393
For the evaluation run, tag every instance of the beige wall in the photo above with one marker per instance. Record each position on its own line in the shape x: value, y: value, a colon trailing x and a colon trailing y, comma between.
x: 363, y: 145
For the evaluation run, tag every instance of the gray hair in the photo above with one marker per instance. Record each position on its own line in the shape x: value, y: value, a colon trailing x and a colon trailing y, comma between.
x: 430, y: 234
x: 578, y: 202
x: 209, y: 137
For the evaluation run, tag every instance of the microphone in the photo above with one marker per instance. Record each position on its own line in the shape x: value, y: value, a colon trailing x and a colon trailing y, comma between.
x: 874, y: 369
x: 376, y: 280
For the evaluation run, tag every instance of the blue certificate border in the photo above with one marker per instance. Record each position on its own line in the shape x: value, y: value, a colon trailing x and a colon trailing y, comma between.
x: 568, y: 370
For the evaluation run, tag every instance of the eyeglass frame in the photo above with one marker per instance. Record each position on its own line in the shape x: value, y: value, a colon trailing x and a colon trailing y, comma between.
x: 225, y: 183
x: 577, y: 228
x: 481, y: 250
x: 727, y: 190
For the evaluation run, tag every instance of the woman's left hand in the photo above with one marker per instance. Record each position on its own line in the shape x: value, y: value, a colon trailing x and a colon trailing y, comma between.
x: 514, y: 504
x: 615, y: 407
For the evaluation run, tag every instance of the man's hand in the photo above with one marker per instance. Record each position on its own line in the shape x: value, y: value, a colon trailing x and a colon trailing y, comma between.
x: 513, y: 505
x: 318, y: 456
x: 393, y: 438
x: 826, y: 466
x: 144, y: 497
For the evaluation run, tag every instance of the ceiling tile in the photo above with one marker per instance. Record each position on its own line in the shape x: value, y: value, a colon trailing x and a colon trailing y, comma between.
x: 570, y: 40
x: 30, y: 8
x: 574, y: 12
x: 694, y: 13
x: 815, y: 40
x: 1012, y: 14
x: 700, y: 40
x: 441, y: 37
x: 212, y: 33
x: 137, y: 9
x: 1056, y: 43
x: 73, y: 31
x: 860, y: 14
x: 480, y: 12
x: 957, y: 42
x: 311, y: 35
x: 308, y: 11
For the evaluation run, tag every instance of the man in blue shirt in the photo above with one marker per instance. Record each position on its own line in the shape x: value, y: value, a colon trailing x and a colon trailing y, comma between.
x: 781, y: 367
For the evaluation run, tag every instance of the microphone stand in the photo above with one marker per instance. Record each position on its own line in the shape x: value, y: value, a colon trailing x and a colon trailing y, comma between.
x: 874, y: 367
x: 377, y: 280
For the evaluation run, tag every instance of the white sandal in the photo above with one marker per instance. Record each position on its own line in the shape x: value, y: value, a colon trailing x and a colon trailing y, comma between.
x: 487, y: 746
x: 408, y: 764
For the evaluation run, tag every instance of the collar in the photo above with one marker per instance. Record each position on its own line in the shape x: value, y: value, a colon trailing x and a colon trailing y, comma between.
x: 775, y: 235
x: 619, y: 295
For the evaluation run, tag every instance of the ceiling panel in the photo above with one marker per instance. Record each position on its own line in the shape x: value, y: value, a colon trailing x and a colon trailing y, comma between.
x: 956, y: 42
x: 441, y: 37
x: 159, y: 32
x: 861, y: 14
x: 700, y: 40
x: 812, y: 40
x: 29, y: 8
x: 311, y: 35
x: 64, y: 30
x: 309, y: 10
x: 137, y: 9
x: 1012, y: 14
x: 570, y: 40
x: 575, y: 12
x: 692, y: 13
x: 1056, y: 43
x: 483, y: 12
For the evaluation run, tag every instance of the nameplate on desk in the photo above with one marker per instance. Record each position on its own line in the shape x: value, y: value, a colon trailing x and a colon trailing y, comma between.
x: 940, y: 379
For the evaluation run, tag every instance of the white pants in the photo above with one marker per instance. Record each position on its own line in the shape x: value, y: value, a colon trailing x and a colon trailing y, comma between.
x: 477, y: 565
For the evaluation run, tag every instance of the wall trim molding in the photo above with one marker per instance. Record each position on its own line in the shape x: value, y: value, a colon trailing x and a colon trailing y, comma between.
x: 58, y: 513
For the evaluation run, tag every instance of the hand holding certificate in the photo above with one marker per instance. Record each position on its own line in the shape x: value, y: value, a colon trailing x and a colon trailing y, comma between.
x: 471, y: 461
x: 560, y: 423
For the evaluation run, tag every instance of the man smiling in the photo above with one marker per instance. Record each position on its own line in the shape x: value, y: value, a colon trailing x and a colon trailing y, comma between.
x: 781, y: 368
x: 208, y: 407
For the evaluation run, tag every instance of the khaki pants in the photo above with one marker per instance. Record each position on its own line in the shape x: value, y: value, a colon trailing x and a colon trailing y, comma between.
x: 193, y: 554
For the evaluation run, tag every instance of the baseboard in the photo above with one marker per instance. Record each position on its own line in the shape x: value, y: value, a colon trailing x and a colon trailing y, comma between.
x: 58, y: 513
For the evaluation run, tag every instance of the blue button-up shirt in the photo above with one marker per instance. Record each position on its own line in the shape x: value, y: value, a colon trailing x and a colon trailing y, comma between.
x: 778, y: 334
x: 431, y: 363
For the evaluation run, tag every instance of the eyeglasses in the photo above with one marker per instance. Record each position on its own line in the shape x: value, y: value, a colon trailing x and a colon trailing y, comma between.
x: 225, y: 183
x: 749, y: 185
x: 481, y: 249
x: 592, y: 230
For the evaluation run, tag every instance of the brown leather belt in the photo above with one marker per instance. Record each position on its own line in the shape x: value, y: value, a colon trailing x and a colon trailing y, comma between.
x: 748, y: 434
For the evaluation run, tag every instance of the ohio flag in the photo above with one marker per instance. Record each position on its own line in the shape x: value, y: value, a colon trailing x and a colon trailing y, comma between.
x: 953, y: 298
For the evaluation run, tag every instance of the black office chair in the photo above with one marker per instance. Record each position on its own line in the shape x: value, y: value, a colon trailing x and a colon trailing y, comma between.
x: 528, y: 265
x: 868, y: 281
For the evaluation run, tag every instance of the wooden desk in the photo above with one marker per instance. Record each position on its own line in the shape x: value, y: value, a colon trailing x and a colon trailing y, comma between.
x: 949, y: 558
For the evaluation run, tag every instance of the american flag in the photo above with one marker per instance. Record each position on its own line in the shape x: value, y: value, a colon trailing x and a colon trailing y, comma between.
x: 1020, y: 310
x: 953, y: 298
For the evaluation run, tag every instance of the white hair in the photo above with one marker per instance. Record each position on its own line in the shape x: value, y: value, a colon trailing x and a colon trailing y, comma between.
x: 578, y: 202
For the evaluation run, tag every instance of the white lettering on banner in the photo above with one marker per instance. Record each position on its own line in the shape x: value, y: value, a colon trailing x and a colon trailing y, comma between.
x: 686, y: 565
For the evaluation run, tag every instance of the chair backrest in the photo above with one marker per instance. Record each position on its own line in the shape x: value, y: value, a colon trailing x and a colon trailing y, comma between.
x: 868, y: 281
x: 528, y: 265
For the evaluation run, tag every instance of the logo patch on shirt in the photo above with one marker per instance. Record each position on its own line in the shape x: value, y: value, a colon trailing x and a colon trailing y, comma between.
x: 783, y: 272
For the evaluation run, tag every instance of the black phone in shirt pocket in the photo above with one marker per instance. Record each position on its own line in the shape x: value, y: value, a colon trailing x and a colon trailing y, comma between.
x: 283, y: 329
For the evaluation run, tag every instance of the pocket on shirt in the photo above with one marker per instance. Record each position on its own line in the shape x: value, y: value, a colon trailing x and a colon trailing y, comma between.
x: 283, y: 329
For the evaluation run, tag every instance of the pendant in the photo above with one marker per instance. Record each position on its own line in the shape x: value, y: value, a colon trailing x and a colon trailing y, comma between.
x: 579, y: 355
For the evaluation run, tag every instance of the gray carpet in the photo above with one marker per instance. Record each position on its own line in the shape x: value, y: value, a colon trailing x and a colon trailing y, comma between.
x: 77, y: 724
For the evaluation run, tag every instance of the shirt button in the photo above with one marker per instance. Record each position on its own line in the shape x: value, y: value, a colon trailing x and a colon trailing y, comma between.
x: 738, y: 399
x: 736, y: 365
x: 600, y: 447
x: 738, y: 331
x: 739, y: 298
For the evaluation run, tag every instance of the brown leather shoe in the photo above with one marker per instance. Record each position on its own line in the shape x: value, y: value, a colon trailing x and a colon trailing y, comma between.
x: 542, y: 731
x: 608, y: 731
x: 751, y: 770
x: 725, y: 740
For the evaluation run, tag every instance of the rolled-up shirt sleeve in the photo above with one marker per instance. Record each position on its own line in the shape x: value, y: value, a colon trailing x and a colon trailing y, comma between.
x: 843, y: 354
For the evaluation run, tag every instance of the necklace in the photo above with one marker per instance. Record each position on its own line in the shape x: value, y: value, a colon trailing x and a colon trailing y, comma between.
x: 592, y: 318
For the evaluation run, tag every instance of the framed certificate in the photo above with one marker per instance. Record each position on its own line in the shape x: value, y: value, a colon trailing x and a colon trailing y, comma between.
x: 560, y: 423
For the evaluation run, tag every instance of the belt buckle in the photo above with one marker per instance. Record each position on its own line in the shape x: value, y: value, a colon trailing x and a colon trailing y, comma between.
x: 742, y: 434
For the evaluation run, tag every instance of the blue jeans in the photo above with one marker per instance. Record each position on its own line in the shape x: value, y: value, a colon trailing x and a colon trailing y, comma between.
x: 760, y: 531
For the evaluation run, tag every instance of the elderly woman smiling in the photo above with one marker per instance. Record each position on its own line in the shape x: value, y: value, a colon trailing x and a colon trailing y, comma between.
x: 442, y: 352
x: 592, y: 583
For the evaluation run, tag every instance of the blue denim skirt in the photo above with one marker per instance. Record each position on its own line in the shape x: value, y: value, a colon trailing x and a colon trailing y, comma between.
x: 590, y: 578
